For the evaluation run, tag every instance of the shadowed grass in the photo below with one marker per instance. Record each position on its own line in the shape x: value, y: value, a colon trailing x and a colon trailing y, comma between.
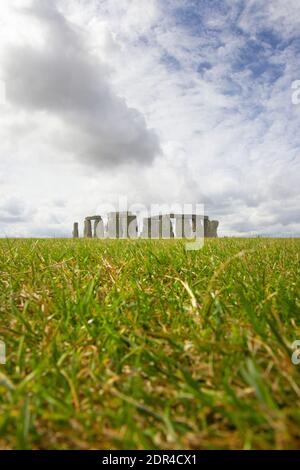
x: 140, y: 344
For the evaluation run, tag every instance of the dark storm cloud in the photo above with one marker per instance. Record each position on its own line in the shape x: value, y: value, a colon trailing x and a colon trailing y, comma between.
x: 64, y: 80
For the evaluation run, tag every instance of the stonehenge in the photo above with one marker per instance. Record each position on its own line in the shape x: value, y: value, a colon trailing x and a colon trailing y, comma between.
x: 124, y: 225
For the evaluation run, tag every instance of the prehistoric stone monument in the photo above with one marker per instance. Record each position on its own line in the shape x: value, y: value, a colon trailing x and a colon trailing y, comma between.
x: 125, y: 225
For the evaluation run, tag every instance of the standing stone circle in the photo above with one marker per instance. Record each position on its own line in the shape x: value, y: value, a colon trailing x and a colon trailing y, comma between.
x: 124, y: 225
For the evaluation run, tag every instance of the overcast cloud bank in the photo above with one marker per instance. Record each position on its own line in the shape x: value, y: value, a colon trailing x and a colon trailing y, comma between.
x: 162, y: 101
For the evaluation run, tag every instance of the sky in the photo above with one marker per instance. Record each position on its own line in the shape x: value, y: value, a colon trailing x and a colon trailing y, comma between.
x: 159, y: 101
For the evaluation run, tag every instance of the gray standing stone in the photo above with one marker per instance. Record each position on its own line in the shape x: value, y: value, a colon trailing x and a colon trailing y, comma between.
x: 206, y: 226
x: 183, y: 226
x: 146, y: 232
x: 156, y: 227
x: 132, y: 226
x: 88, y: 228
x: 198, y: 226
x: 113, y: 225
x: 187, y: 227
x: 166, y: 227
x: 213, y: 229
x: 123, y: 222
x: 122, y: 225
x: 99, y: 228
x: 152, y: 227
x: 76, y: 230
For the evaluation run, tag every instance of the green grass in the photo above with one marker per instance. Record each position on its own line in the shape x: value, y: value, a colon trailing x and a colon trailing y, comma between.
x: 139, y: 344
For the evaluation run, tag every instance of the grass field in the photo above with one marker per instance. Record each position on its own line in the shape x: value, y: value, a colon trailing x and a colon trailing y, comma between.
x: 139, y: 344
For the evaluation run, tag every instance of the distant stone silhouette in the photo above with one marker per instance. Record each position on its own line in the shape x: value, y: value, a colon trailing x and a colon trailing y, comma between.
x: 124, y: 225
x: 75, y: 230
x: 212, y: 229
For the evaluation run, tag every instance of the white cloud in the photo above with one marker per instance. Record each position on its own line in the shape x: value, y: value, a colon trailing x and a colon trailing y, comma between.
x: 62, y: 79
x: 217, y: 93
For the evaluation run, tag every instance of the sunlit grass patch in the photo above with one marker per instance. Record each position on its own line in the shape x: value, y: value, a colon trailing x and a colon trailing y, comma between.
x: 139, y: 344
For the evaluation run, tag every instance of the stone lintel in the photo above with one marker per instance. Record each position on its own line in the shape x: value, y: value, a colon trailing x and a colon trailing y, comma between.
x: 94, y: 217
